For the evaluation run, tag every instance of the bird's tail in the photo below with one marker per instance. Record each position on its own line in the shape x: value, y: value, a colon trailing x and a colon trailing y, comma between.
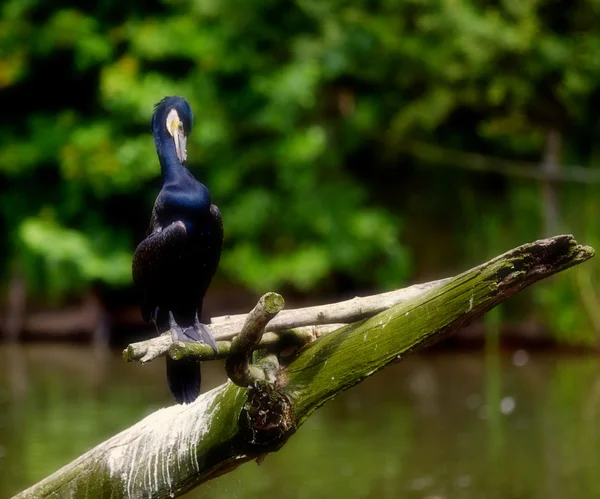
x: 183, y: 378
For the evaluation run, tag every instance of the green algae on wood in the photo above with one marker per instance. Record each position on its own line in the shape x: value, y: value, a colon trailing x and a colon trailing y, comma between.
x: 347, y: 356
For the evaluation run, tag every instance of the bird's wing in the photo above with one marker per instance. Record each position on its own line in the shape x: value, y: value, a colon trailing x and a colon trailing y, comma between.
x: 155, y: 225
x: 151, y: 261
x: 217, y: 228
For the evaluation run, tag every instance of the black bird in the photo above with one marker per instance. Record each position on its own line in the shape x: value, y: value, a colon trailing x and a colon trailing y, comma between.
x: 174, y: 265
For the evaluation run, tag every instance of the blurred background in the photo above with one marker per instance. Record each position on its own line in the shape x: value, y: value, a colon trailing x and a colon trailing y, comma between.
x: 352, y: 147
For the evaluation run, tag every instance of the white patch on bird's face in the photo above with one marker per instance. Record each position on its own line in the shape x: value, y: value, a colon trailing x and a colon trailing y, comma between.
x: 173, y: 122
x: 175, y: 127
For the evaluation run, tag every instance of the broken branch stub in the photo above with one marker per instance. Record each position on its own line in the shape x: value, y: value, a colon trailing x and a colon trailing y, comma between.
x: 238, y: 365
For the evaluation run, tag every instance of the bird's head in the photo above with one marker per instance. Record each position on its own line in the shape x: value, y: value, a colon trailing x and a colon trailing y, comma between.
x: 173, y: 116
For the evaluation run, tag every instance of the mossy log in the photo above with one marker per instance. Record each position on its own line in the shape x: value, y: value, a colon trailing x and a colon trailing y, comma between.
x: 179, y: 447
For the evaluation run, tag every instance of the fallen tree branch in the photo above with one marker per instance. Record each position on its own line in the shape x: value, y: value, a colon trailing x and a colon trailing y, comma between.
x: 293, y: 338
x: 180, y: 447
x: 342, y: 312
x: 145, y: 351
x: 227, y: 327
x: 434, y: 155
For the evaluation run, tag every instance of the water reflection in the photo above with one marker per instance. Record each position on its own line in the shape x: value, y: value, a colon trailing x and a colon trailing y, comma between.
x: 437, y: 426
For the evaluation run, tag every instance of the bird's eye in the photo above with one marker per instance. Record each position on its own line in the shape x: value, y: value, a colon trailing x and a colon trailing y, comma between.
x: 180, y: 126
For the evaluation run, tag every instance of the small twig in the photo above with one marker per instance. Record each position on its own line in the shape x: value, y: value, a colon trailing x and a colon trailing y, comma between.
x: 239, y: 361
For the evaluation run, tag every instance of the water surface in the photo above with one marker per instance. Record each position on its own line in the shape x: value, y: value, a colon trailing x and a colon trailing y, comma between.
x: 456, y: 426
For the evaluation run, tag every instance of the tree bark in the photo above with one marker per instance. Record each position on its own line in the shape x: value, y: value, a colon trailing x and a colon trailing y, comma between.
x: 179, y: 447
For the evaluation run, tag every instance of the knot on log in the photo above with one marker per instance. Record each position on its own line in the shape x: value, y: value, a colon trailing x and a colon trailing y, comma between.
x: 267, y: 416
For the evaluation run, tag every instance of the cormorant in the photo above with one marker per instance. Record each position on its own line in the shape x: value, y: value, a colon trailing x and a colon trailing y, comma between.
x: 174, y: 265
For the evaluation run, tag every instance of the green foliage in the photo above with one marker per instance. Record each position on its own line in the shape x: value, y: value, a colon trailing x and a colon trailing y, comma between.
x: 71, y: 258
x: 263, y: 142
x: 303, y: 111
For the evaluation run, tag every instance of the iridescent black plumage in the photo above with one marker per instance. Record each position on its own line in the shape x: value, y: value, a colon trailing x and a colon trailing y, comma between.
x: 174, y: 265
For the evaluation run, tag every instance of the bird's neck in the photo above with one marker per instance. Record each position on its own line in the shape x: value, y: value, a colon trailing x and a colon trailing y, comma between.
x: 170, y: 166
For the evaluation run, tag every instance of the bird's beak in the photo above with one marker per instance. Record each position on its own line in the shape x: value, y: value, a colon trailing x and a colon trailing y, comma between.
x: 180, y: 142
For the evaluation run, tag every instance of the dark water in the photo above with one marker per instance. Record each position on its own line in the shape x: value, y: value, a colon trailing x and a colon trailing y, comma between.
x: 432, y: 427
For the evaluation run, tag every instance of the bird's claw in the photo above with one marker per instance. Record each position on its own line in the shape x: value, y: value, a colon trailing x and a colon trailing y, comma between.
x: 205, y: 334
x: 177, y: 332
x: 198, y: 333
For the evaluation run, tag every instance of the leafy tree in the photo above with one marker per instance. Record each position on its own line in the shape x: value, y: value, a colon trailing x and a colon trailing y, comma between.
x: 308, y: 114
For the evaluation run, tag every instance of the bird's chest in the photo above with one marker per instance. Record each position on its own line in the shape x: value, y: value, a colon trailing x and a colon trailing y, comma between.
x: 199, y: 241
x: 185, y: 204
x: 190, y: 207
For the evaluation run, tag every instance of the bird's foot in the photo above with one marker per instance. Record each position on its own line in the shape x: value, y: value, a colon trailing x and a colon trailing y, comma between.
x: 205, y: 334
x: 198, y: 333
x: 178, y: 333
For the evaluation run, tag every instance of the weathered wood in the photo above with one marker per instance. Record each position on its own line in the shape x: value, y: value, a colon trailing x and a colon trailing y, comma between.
x: 295, y: 337
x: 180, y: 447
x: 238, y: 365
x: 342, y: 312
x: 145, y: 351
